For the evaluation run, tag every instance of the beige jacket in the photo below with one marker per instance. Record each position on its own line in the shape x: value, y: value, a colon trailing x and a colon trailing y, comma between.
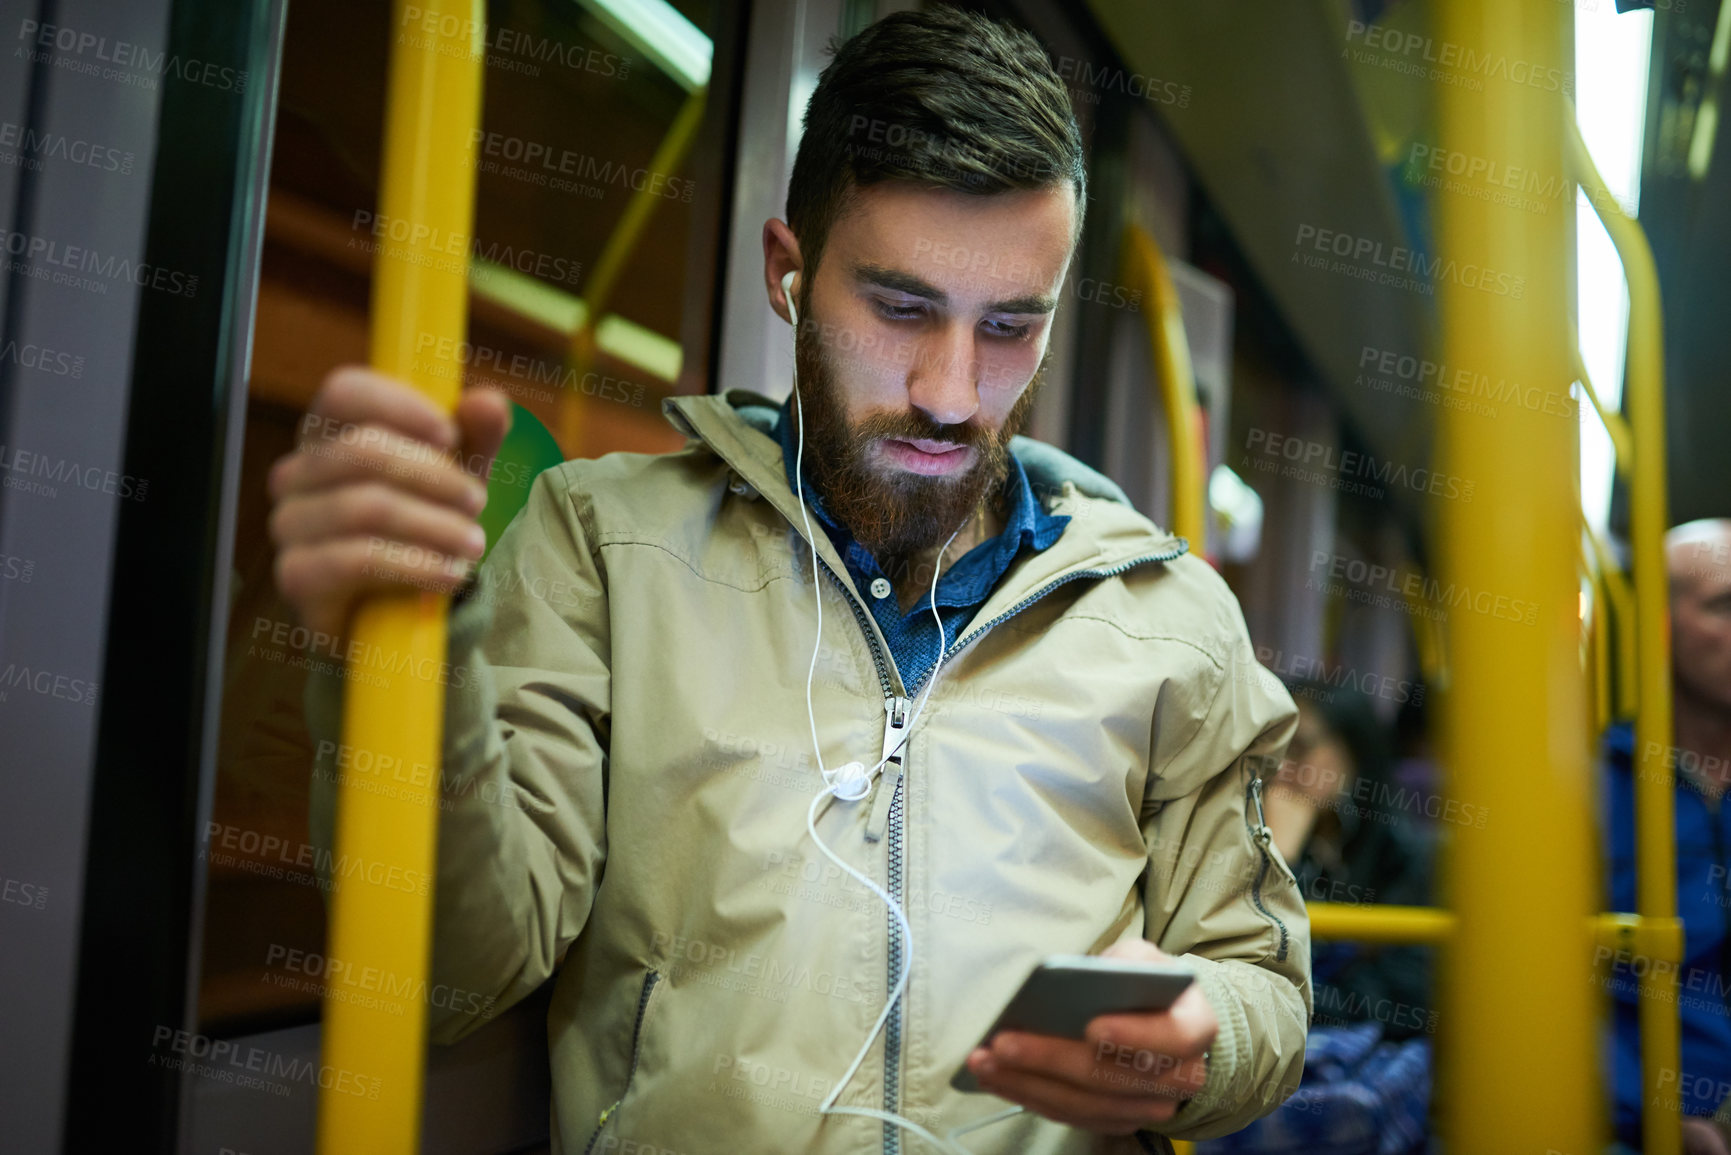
x: 628, y: 771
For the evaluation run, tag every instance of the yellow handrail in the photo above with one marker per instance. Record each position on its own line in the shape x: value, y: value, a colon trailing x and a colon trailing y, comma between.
x: 1622, y: 599
x: 1380, y: 923
x: 1655, y: 853
x: 381, y: 908
x: 1145, y: 273
x: 1433, y: 926
x: 1622, y: 447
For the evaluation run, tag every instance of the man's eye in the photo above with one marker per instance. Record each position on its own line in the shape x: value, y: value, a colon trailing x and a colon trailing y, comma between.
x: 899, y: 312
x: 1004, y: 329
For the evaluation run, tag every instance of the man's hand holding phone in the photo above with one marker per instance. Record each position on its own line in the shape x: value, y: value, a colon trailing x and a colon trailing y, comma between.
x: 381, y: 494
x: 1131, y: 1071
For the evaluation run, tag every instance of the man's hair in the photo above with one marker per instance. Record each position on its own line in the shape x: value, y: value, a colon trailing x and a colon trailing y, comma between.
x: 940, y: 97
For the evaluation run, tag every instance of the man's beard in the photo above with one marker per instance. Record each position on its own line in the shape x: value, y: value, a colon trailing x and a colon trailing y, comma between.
x: 894, y: 513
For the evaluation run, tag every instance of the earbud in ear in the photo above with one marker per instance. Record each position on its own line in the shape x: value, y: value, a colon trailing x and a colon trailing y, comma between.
x: 787, y: 291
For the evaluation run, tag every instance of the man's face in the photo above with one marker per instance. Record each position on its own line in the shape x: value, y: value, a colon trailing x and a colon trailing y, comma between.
x: 1701, y: 618
x: 920, y: 340
x: 1317, y: 763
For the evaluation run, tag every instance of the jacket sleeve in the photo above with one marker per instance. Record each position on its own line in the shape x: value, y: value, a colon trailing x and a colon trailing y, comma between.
x: 522, y: 836
x: 1218, y: 893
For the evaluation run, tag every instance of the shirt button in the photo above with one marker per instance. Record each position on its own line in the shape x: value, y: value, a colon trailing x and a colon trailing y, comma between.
x: 880, y: 588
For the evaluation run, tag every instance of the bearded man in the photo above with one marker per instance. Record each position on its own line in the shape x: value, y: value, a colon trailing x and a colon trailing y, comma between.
x: 1059, y: 733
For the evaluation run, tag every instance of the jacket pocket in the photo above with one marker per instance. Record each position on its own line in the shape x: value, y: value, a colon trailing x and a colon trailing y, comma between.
x: 650, y: 981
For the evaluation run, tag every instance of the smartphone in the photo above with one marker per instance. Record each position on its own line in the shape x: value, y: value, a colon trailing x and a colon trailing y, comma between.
x: 1066, y: 992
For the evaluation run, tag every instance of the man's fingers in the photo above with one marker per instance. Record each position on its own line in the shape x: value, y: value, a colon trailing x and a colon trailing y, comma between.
x: 1070, y: 1062
x: 375, y: 452
x: 1064, y: 1103
x: 381, y: 494
x: 357, y: 395
x: 484, y: 416
x: 1184, y: 1029
x: 324, y: 578
x: 1103, y: 1069
x: 376, y: 511
x: 1136, y: 949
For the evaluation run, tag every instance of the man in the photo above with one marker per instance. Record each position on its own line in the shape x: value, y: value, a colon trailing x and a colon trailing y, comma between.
x: 629, y: 763
x: 1698, y: 558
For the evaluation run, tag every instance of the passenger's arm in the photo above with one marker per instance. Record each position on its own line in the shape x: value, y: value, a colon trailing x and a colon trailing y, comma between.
x: 1231, y: 1048
x: 381, y: 495
x: 521, y: 833
x: 1219, y: 895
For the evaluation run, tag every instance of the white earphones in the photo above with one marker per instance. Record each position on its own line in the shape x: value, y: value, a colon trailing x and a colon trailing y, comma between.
x: 852, y: 782
x: 849, y: 782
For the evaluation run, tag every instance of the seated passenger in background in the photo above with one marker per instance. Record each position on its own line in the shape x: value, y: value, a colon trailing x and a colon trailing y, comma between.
x: 1698, y: 557
x: 1348, y: 832
x: 1349, y: 835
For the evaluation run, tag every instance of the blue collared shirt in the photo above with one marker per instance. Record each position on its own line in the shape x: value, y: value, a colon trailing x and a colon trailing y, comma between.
x: 962, y: 588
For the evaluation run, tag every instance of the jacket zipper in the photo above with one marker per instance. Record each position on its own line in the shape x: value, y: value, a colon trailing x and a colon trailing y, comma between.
x: 1262, y: 836
x: 649, y: 981
x: 895, y: 707
x: 865, y: 627
x: 893, y: 1027
x: 895, y: 740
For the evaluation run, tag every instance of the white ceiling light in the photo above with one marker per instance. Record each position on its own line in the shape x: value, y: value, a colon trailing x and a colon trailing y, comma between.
x: 662, y: 34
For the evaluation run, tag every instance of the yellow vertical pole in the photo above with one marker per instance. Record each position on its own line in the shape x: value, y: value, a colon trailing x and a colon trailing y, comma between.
x: 1655, y: 850
x: 381, y: 903
x: 1518, y: 1049
x: 1144, y: 270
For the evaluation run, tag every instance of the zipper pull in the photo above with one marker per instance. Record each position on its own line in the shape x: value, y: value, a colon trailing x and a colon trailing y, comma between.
x: 1263, y: 834
x: 880, y: 816
x: 895, y: 735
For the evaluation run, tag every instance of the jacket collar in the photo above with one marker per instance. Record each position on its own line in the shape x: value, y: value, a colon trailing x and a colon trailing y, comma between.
x: 1105, y: 531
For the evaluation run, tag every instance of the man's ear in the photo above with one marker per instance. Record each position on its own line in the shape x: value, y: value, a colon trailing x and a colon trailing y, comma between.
x: 781, y: 257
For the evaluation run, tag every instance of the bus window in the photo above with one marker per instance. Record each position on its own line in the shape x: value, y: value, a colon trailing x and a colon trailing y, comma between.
x: 600, y: 176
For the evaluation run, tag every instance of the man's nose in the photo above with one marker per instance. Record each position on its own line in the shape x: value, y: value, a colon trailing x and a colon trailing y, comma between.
x: 943, y: 384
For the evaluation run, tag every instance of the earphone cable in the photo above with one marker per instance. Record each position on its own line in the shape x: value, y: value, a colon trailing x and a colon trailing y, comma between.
x: 828, y: 1106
